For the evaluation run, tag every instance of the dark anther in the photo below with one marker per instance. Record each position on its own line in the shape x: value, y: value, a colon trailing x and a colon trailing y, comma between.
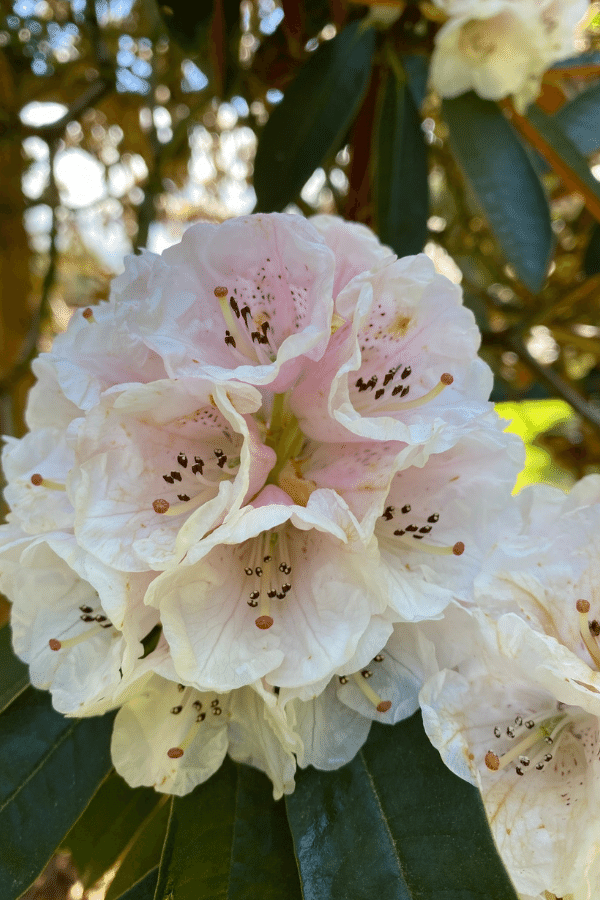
x: 248, y: 570
x: 169, y: 479
x: 411, y: 528
x: 388, y: 377
x: 388, y: 513
x: 196, y: 704
x: 255, y: 595
x: 86, y: 618
x: 258, y: 571
x: 399, y: 532
x: 176, y: 710
x: 406, y: 372
x: 434, y: 518
x: 244, y: 312
x: 234, y: 306
x: 379, y: 393
x: 86, y: 609
x: 182, y: 460
x: 425, y: 529
x: 406, y: 509
x: 229, y: 339
x: 100, y: 618
x: 405, y: 391
x: 183, y: 497
x: 397, y: 390
x: 221, y: 461
x: 214, y: 703
x: 271, y: 593
x: 176, y: 476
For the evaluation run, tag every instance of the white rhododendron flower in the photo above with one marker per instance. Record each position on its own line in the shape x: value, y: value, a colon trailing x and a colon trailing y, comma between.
x: 173, y: 737
x: 520, y: 714
x: 269, y: 448
x: 502, y: 47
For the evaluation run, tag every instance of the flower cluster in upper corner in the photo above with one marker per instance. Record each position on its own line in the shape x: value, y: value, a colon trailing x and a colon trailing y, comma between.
x: 502, y: 47
x: 264, y: 500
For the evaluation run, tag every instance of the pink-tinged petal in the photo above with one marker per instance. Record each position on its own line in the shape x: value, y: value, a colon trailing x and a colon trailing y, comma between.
x: 162, y: 454
x: 355, y: 247
x: 439, y: 507
x: 404, y: 364
x: 278, y: 301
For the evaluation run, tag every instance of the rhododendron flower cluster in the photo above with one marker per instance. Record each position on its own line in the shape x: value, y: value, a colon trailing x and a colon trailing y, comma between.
x: 502, y: 47
x: 247, y: 476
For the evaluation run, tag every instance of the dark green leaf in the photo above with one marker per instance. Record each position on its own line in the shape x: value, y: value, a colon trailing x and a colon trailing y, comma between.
x: 591, y: 260
x: 50, y: 766
x: 310, y: 122
x: 551, y: 131
x: 186, y: 22
x: 400, y: 169
x: 394, y: 823
x: 151, y: 640
x: 505, y: 183
x: 14, y: 676
x: 229, y: 840
x: 114, y: 816
x: 416, y: 66
x: 144, y: 889
x: 143, y: 852
x: 580, y: 120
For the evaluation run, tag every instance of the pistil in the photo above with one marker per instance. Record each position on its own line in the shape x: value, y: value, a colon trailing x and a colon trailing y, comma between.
x: 39, y: 481
x: 379, y: 704
x: 391, y: 406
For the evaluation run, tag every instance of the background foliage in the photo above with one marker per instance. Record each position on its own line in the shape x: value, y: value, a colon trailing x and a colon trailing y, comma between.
x: 121, y: 122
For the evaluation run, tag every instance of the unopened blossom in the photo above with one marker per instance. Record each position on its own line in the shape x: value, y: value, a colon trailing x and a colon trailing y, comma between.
x: 238, y: 432
x: 520, y: 714
x: 502, y: 47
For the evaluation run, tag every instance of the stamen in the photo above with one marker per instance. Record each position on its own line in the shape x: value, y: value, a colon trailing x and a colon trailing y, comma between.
x: 38, y: 481
x: 88, y: 314
x: 379, y: 704
x: 583, y: 608
x: 445, y: 380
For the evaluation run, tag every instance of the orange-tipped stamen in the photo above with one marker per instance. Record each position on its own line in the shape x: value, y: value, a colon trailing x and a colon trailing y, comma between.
x: 88, y: 314
x: 583, y: 608
x: 393, y: 406
x: 379, y: 704
x: 39, y: 481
